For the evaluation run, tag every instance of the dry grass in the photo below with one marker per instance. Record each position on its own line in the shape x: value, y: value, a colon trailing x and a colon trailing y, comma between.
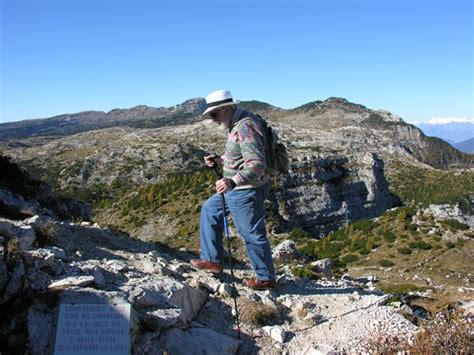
x: 447, y: 332
x: 256, y: 313
x: 383, y: 341
x: 12, y: 251
x: 440, y: 302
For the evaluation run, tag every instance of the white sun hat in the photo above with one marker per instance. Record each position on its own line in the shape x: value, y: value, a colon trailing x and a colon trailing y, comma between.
x: 219, y: 98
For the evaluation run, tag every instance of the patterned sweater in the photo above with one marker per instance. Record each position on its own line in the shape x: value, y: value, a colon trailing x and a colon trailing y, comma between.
x: 244, y: 158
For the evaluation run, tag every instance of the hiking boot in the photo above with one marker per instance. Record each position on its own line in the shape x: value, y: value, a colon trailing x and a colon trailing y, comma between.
x: 215, y: 268
x: 255, y: 284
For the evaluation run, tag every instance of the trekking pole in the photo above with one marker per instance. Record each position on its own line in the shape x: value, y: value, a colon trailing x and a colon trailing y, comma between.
x: 229, y: 250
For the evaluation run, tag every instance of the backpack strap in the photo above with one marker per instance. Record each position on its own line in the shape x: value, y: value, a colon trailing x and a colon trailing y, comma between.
x: 269, y: 148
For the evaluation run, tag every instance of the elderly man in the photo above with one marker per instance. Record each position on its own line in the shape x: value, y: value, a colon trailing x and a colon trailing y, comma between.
x: 245, y: 184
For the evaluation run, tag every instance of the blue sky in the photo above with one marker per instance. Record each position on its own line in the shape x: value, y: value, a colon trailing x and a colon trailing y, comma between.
x: 413, y: 58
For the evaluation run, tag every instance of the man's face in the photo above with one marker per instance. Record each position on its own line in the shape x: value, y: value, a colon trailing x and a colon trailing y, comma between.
x: 221, y: 115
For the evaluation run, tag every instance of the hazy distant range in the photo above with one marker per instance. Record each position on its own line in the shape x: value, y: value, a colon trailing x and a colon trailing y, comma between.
x: 458, y: 132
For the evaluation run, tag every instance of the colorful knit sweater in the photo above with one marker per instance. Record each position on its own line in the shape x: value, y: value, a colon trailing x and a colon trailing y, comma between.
x: 244, y: 157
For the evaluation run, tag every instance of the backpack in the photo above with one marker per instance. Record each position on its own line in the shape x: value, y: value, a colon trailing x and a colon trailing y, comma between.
x: 275, y: 151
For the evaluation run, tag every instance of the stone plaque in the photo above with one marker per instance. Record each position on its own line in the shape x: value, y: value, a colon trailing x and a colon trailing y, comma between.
x: 93, y: 329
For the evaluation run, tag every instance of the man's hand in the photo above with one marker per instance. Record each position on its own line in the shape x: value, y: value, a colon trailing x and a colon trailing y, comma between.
x: 224, y: 185
x: 212, y: 159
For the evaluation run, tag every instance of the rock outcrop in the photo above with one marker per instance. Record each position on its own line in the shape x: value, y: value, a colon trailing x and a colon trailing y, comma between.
x: 21, y: 196
x: 322, y: 194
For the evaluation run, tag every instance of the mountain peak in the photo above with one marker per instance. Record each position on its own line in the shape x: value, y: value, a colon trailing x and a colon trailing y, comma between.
x: 194, y: 105
x: 255, y: 105
x: 330, y: 102
x: 337, y: 99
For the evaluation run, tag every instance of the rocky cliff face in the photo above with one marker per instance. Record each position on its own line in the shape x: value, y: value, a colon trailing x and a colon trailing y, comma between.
x: 321, y: 195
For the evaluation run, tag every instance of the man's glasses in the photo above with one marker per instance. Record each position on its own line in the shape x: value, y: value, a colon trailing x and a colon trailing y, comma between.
x: 214, y: 114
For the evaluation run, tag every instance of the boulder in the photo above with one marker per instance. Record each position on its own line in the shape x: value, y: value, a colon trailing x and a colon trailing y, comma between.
x: 346, y: 278
x: 37, y: 280
x: 285, y: 251
x: 57, y: 252
x: 15, y: 206
x: 16, y: 282
x: 164, y: 292
x: 225, y: 290
x: 70, y: 281
x: 323, y: 266
x: 276, y: 333
x: 39, y: 258
x: 17, y: 231
x: 160, y: 319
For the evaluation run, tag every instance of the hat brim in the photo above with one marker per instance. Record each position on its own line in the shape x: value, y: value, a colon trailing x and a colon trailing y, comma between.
x: 210, y: 109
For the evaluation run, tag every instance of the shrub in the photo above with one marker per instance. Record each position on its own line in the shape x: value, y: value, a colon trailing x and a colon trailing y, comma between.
x: 400, y: 288
x: 303, y: 272
x: 389, y: 236
x: 308, y: 249
x: 404, y: 250
x: 357, y: 244
x: 326, y: 249
x: 446, y: 332
x: 349, y: 258
x: 299, y: 234
x: 365, y: 225
x: 420, y: 245
x: 412, y: 227
x: 385, y: 263
x: 338, y: 235
x: 455, y: 224
x: 257, y: 313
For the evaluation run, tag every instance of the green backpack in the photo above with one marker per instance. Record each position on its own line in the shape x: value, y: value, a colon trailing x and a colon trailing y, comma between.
x: 275, y: 151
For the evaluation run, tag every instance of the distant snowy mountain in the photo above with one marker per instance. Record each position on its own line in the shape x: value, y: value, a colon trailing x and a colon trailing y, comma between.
x: 452, y: 130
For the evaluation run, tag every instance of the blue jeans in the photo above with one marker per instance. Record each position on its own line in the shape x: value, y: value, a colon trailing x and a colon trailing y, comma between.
x: 248, y: 213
